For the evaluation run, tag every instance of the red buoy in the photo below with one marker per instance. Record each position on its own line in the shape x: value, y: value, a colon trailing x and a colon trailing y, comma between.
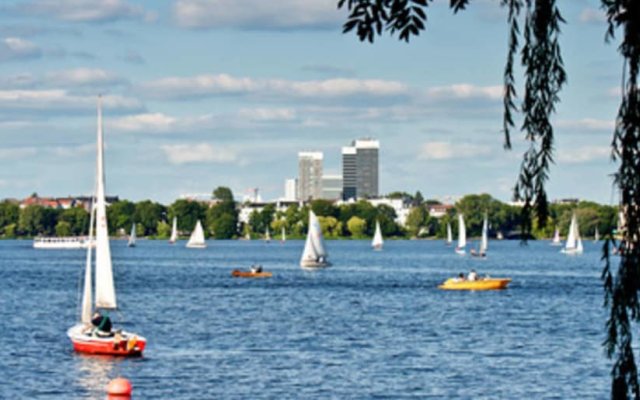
x: 119, y: 387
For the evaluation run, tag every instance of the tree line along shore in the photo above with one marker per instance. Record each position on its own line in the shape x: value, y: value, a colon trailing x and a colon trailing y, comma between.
x: 356, y: 220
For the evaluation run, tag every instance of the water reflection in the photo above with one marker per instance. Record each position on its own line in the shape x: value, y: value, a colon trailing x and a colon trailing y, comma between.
x: 94, y: 372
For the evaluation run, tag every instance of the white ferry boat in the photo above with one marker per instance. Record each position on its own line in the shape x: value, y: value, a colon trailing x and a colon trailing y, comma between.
x: 68, y: 242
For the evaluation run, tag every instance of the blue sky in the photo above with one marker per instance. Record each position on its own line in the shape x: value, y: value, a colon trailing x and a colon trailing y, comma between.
x: 203, y: 93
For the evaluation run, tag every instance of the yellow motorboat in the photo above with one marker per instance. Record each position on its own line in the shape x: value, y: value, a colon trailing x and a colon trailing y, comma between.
x: 480, y: 284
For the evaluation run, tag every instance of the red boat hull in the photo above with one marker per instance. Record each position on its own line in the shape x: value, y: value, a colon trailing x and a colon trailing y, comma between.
x: 125, y: 344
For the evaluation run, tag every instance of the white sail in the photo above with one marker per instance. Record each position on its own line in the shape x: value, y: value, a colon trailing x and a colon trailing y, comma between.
x: 574, y: 242
x: 197, y: 237
x: 284, y: 235
x: 105, y: 290
x: 556, y: 238
x: 449, y: 234
x: 484, y: 243
x: 377, y: 241
x: 174, y: 231
x: 462, y: 235
x: 132, y: 236
x: 314, y: 254
x: 596, y: 236
x: 87, y: 293
x: 267, y: 235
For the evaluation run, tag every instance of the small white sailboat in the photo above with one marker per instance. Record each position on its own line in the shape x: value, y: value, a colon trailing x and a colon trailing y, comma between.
x: 596, y: 236
x: 132, y: 236
x: 377, y: 241
x: 449, y: 235
x: 556, y: 238
x: 574, y: 243
x: 462, y: 235
x: 196, y: 240
x: 85, y: 337
x: 484, y: 242
x: 267, y: 235
x: 314, y: 255
x: 283, y: 237
x: 174, y: 231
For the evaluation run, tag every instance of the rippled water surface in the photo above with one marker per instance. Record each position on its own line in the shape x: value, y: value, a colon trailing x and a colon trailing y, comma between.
x: 372, y: 326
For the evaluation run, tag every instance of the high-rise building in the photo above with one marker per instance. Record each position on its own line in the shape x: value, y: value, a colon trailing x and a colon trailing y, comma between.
x: 332, y: 187
x: 360, y: 169
x: 291, y: 189
x: 309, y: 175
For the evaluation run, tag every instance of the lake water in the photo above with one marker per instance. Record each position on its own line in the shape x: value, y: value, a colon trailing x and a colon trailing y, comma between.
x: 372, y: 326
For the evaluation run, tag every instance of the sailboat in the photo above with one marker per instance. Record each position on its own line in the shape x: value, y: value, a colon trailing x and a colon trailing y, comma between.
x: 449, y: 235
x: 314, y: 254
x: 174, y: 231
x: 377, y: 241
x: 484, y: 242
x: 267, y: 235
x: 574, y: 243
x: 596, y: 236
x: 283, y: 237
x: 132, y: 236
x: 556, y: 238
x: 84, y: 336
x: 462, y: 236
x: 196, y: 240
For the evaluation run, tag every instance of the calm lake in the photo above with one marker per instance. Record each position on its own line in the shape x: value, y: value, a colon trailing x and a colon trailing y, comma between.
x: 374, y: 325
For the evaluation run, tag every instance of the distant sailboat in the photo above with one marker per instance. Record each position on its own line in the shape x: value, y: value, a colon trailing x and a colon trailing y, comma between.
x: 377, y: 241
x: 484, y: 242
x: 462, y: 236
x: 574, y: 243
x: 85, y: 337
x: 556, y: 238
x: 449, y: 234
x: 196, y: 240
x: 284, y: 236
x: 596, y: 236
x: 174, y: 231
x: 314, y: 254
x: 132, y: 236
x: 267, y: 235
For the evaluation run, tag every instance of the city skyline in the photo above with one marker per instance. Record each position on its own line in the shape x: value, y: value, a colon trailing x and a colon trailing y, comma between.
x: 195, y: 100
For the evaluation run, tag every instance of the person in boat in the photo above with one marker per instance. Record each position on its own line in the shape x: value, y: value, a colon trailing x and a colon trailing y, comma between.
x: 460, y: 277
x: 256, y: 268
x: 101, y: 324
x: 473, y: 276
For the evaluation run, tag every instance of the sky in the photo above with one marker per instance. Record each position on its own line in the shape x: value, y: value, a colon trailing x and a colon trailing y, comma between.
x: 206, y: 93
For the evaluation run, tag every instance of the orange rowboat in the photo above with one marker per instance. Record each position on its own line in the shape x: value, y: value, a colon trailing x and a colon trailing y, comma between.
x: 481, y: 284
x: 236, y: 273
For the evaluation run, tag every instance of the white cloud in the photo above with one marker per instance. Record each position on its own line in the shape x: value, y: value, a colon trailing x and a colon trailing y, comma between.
x: 448, y: 150
x: 258, y: 14
x: 150, y: 122
x: 72, y: 151
x: 61, y: 100
x: 85, y: 10
x: 584, y: 154
x: 83, y: 77
x: 267, y: 114
x: 198, y: 153
x: 589, y: 124
x: 592, y: 15
x: 465, y: 91
x: 13, y: 48
x: 17, y: 153
x: 223, y: 84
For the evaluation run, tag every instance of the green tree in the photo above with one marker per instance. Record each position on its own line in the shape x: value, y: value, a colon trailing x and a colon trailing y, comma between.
x: 225, y: 227
x: 9, y: 214
x: 222, y: 218
x: 147, y: 215
x: 63, y: 228
x: 163, y: 230
x: 324, y: 208
x: 357, y: 226
x: 223, y: 193
x: 330, y: 226
x: 188, y: 212
x: 78, y: 220
x: 31, y: 221
x: 120, y: 215
x: 10, y: 231
x: 416, y: 220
